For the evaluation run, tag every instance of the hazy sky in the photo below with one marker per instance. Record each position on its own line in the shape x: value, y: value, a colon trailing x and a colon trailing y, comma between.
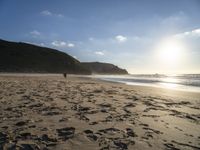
x: 128, y: 33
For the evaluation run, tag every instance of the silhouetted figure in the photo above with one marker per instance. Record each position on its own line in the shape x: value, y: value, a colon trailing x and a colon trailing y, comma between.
x: 65, y: 75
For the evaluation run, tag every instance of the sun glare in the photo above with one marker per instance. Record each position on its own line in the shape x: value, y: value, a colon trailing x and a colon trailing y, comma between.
x: 169, y: 51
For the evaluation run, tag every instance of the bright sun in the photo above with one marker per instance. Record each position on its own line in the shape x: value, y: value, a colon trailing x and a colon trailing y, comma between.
x: 169, y: 51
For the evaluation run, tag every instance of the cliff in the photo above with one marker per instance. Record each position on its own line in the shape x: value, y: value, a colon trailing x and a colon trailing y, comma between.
x: 104, y: 68
x: 23, y: 57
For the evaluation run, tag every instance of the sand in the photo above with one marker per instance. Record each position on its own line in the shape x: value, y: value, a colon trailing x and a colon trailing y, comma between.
x: 50, y: 112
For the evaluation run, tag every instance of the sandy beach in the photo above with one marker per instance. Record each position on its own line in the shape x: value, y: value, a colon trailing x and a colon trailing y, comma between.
x: 50, y: 112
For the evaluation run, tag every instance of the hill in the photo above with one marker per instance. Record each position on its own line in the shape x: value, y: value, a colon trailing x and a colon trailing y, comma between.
x: 23, y: 57
x: 104, y: 68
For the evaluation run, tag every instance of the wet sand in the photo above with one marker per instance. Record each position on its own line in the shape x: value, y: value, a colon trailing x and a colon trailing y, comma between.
x: 50, y: 112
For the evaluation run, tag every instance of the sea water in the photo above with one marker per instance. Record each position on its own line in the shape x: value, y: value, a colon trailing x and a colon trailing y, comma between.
x: 186, y: 82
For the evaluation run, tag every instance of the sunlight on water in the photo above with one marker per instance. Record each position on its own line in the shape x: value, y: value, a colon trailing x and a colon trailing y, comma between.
x: 169, y: 85
x: 170, y: 80
x: 174, y: 82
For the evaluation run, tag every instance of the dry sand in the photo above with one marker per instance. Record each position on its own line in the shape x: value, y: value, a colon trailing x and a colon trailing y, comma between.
x: 48, y: 112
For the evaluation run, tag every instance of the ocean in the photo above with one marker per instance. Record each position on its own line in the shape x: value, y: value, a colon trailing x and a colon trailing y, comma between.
x: 185, y: 82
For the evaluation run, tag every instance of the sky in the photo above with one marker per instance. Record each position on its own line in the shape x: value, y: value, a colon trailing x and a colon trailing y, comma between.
x: 142, y: 36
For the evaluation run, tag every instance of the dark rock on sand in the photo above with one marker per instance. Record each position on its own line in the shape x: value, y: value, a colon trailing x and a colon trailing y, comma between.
x: 66, y: 133
x: 91, y: 135
x: 21, y: 123
x: 170, y: 146
x: 109, y: 130
x: 88, y: 131
x: 3, y: 138
x: 46, y: 138
x: 9, y: 146
x: 130, y: 132
x: 121, y: 145
x: 24, y: 135
x: 29, y: 147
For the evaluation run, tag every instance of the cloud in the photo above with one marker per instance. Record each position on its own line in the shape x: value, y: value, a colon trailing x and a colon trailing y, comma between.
x: 62, y: 44
x: 176, y: 19
x: 99, y: 53
x: 59, y: 15
x: 192, y: 33
x: 121, y: 38
x: 70, y: 45
x: 48, y: 13
x: 171, y: 20
x: 35, y: 33
x: 91, y: 39
x: 59, y: 43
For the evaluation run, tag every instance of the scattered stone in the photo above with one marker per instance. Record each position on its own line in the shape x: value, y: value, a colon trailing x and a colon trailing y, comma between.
x: 88, y: 131
x: 105, y: 105
x: 105, y: 148
x: 5, y: 127
x: 24, y: 135
x: 8, y: 109
x: 130, y: 105
x: 153, y: 130
x: 3, y: 138
x: 35, y: 105
x: 104, y: 110
x: 63, y: 119
x: 92, y: 136
x: 32, y: 126
x: 66, y: 133
x: 97, y: 91
x: 83, y: 117
x: 93, y: 123
x: 109, y: 130
x: 51, y: 113
x: 121, y: 145
x: 170, y: 146
x: 46, y: 138
x: 9, y: 146
x: 21, y: 123
x: 130, y: 132
x: 29, y: 147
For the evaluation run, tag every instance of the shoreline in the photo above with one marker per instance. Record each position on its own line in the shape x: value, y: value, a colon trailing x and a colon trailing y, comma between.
x: 149, y: 89
x: 154, y: 89
x: 157, y: 84
x: 83, y: 113
x: 134, y: 84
